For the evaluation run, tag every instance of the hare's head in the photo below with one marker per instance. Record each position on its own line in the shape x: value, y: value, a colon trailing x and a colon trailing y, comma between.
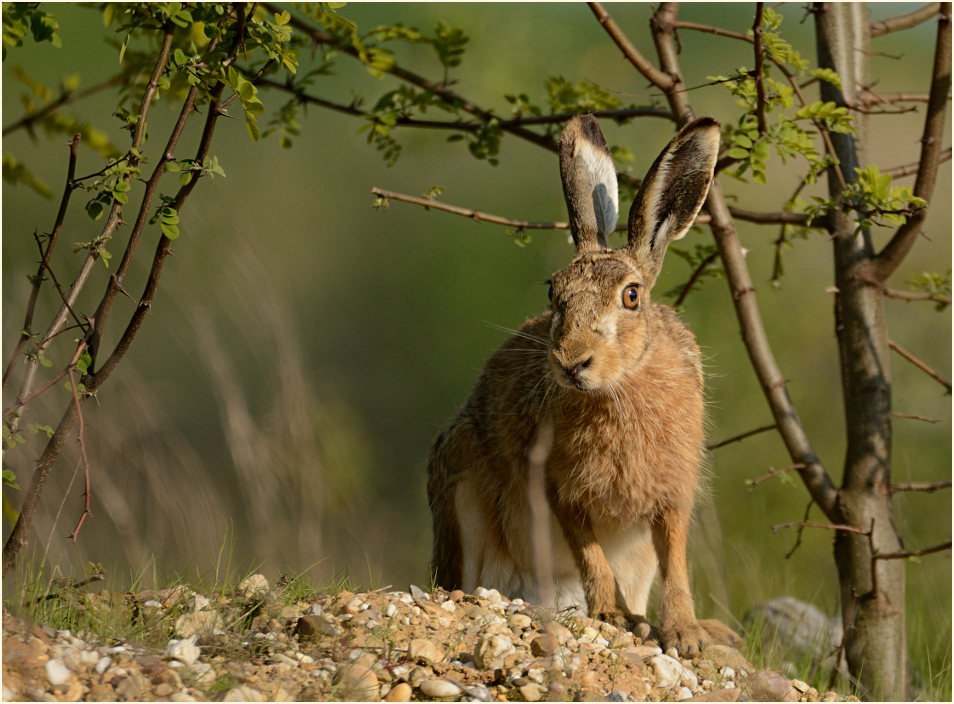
x: 602, y: 322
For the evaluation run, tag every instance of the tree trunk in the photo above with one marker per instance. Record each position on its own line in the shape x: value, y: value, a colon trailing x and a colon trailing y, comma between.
x: 872, y: 591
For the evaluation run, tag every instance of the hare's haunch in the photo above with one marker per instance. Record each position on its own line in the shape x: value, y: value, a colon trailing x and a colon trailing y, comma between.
x: 615, y: 380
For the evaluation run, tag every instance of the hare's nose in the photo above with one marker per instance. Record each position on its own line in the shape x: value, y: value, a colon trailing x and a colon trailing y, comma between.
x: 576, y: 370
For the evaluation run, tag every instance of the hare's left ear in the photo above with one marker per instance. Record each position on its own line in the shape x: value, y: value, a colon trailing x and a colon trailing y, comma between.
x: 589, y: 182
x: 672, y: 193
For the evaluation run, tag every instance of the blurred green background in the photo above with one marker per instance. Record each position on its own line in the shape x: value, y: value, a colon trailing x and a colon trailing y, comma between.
x: 305, y: 348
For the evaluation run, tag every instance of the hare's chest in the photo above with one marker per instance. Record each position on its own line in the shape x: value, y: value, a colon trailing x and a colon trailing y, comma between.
x: 627, y: 470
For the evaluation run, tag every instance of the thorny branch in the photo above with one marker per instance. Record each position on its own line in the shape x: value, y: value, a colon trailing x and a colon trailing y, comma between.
x: 742, y: 436
x: 908, y: 169
x: 774, y: 473
x: 759, y: 78
x: 801, y: 531
x: 65, y: 98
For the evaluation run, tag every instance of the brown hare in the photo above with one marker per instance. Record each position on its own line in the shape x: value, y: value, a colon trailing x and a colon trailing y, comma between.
x: 617, y: 378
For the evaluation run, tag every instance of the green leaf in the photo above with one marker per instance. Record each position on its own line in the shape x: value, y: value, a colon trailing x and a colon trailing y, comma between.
x: 170, y: 231
x: 737, y: 153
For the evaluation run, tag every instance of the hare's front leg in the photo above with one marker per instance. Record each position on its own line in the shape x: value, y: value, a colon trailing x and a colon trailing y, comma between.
x: 678, y: 627
x: 599, y: 585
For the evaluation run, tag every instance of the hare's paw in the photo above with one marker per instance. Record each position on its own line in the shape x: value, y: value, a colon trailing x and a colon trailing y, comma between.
x: 720, y: 634
x: 612, y: 616
x: 689, y: 638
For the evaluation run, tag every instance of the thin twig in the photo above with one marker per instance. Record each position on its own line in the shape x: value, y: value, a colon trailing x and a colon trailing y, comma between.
x: 801, y: 530
x: 929, y: 487
x: 830, y: 526
x: 774, y: 473
x: 920, y: 365
x: 916, y: 296
x: 911, y: 416
x: 742, y: 436
x: 82, y: 441
x: 911, y: 553
x: 470, y: 213
x: 685, y: 293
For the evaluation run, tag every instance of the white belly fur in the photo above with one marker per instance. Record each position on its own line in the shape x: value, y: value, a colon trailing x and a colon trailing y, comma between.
x: 510, y: 568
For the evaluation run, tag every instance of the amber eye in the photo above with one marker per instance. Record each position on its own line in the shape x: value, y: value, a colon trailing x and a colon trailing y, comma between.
x: 631, y: 296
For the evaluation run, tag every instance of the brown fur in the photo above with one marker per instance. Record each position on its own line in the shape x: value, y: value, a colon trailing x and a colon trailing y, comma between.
x: 623, y: 391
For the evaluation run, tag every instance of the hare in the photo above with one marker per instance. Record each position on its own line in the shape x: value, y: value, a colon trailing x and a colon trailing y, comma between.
x: 617, y: 378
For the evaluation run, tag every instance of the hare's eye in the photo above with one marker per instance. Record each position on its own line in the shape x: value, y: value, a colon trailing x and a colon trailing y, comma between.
x: 631, y: 296
x: 550, y: 293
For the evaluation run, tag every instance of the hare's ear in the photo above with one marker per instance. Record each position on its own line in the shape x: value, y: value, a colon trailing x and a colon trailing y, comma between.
x: 672, y: 193
x: 589, y: 182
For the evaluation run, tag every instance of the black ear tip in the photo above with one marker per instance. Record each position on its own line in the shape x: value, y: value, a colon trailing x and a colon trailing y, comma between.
x: 704, y: 122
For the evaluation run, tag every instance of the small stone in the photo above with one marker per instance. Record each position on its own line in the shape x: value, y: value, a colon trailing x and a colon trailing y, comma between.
x: 800, y: 686
x: 670, y: 671
x: 243, y: 693
x: 289, y: 613
x: 559, y: 631
x: 532, y: 692
x: 419, y: 675
x: 439, y: 689
x: 520, y: 621
x: 449, y: 606
x: 200, y: 602
x: 685, y: 693
x: 357, y: 680
x: 163, y: 690
x: 57, y: 672
x: 390, y: 610
x: 132, y: 688
x: 184, y: 650
x: 543, y: 645
x: 401, y: 692
x: 424, y: 650
x: 316, y: 626
x: 418, y: 594
x: 102, y: 664
x: 202, y: 624
x: 253, y: 587
x: 769, y: 686
x: 729, y: 674
x: 456, y: 595
x: 491, y: 651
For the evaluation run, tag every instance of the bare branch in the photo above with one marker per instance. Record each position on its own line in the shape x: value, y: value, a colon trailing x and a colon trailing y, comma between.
x: 915, y: 296
x: 890, y: 258
x: 906, y: 21
x: 658, y: 78
x: 743, y: 436
x: 920, y: 365
x: 801, y: 530
x: 830, y: 526
x: 929, y: 487
x: 911, y: 416
x: 685, y: 293
x: 470, y: 213
x: 780, y: 217
x: 911, y: 553
x: 909, y: 169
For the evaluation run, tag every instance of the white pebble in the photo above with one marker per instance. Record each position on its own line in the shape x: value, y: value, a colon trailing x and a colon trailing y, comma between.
x: 185, y: 650
x: 449, y: 606
x: 391, y: 610
x: 152, y: 604
x: 440, y: 688
x: 727, y: 672
x: 685, y: 693
x: 56, y: 671
x: 102, y: 664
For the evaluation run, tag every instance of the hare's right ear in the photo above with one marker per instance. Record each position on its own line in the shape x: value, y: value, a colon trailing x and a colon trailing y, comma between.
x: 673, y: 192
x: 589, y: 182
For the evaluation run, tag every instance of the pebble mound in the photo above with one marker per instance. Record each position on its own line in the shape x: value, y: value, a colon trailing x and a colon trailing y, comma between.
x: 382, y: 645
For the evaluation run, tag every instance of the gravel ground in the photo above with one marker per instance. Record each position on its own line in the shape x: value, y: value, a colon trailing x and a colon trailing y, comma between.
x: 390, y: 645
